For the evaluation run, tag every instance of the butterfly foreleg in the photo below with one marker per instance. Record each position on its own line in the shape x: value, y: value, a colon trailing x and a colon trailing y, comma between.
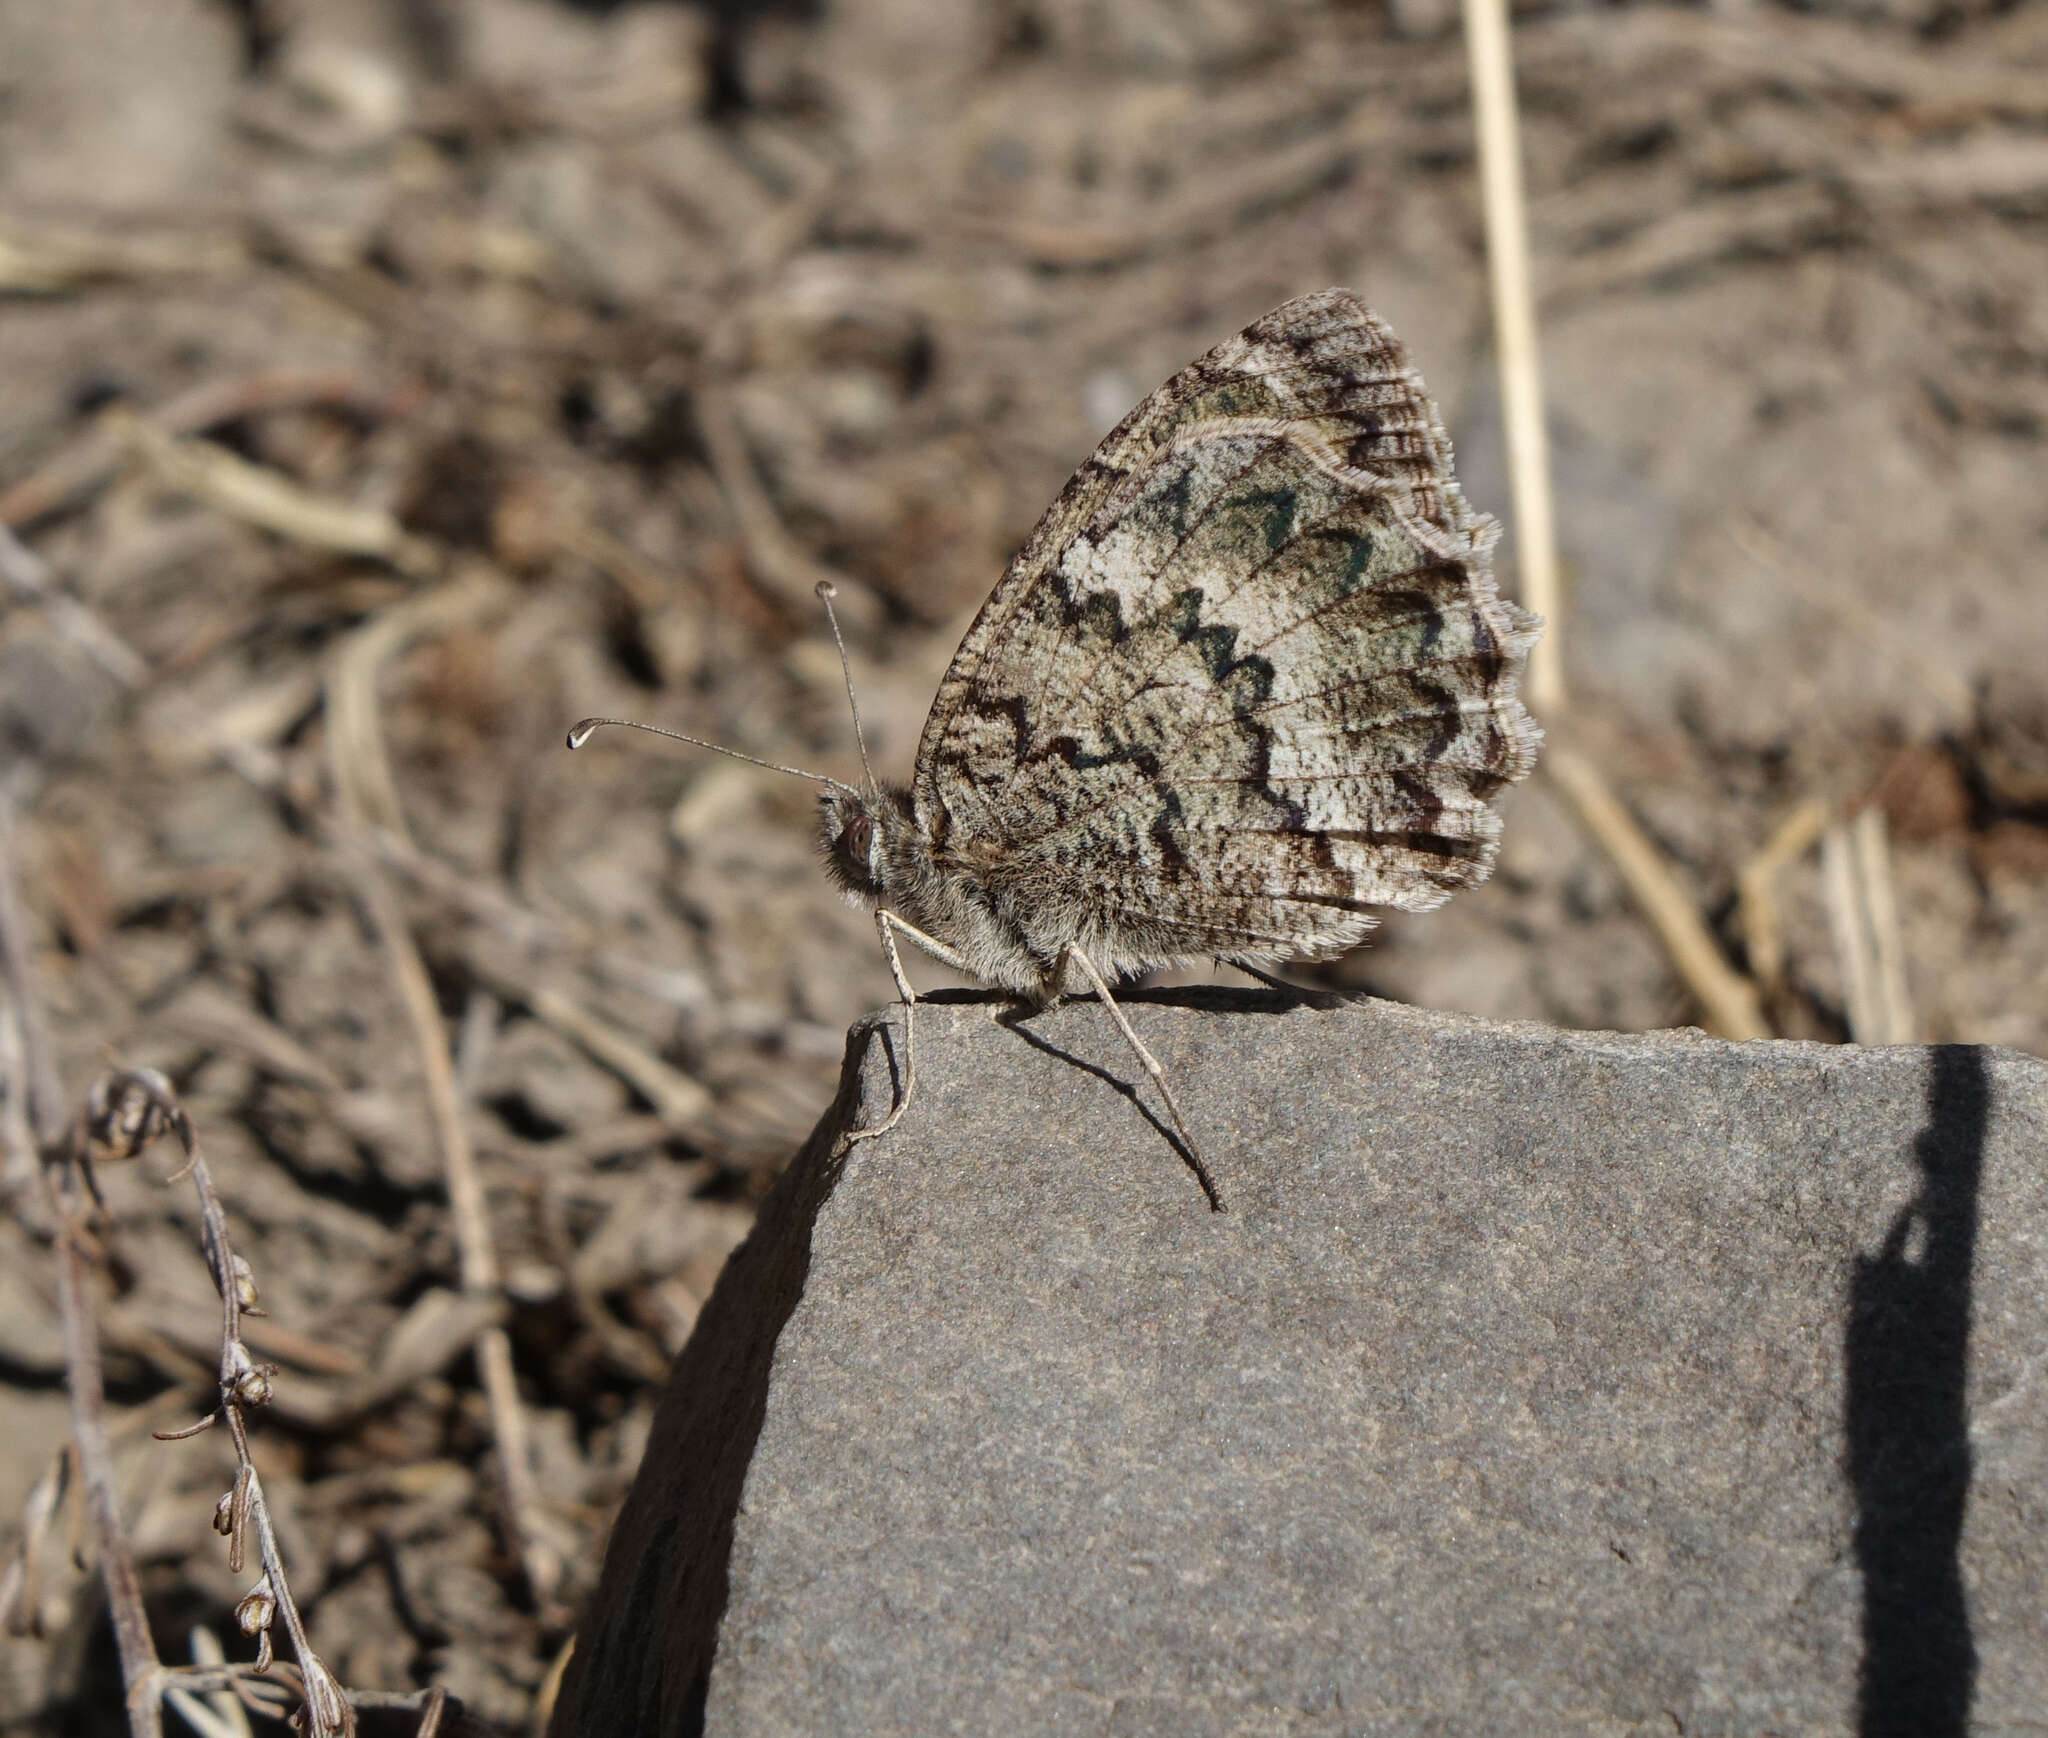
x: 886, y: 925
x: 1158, y: 1074
x: 886, y: 921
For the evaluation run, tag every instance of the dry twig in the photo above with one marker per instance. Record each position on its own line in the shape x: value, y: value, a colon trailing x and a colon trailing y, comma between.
x: 360, y: 747
x: 1863, y: 913
x: 1514, y: 327
x: 1728, y: 999
x: 29, y: 576
x: 1756, y: 891
x: 480, y: 1275
x: 92, y: 459
x: 775, y: 558
x: 127, y: 1112
x: 257, y: 495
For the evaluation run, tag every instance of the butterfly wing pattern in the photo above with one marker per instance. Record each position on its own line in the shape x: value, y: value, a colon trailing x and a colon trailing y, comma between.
x: 1248, y: 678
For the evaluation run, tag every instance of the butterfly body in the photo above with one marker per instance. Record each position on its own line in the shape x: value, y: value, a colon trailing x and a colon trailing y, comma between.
x: 1009, y: 919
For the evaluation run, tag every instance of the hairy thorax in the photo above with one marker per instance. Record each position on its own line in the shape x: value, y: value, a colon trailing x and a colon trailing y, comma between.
x: 1008, y: 926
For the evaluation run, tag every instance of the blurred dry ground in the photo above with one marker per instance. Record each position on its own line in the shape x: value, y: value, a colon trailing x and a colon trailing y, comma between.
x: 390, y: 382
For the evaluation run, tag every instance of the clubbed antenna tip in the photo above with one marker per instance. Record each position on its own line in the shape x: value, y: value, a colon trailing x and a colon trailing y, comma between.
x: 584, y: 729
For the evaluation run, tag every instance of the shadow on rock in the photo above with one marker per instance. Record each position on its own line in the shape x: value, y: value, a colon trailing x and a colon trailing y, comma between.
x: 1908, y: 1450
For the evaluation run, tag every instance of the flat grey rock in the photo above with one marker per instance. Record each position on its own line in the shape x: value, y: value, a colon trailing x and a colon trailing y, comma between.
x: 1536, y: 1382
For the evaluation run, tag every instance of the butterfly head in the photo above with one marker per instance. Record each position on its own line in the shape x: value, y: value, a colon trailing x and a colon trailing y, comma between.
x: 864, y: 833
x: 850, y: 831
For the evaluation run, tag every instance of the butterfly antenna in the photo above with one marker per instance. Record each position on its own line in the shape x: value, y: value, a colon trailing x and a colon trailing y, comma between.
x: 585, y: 729
x: 827, y: 591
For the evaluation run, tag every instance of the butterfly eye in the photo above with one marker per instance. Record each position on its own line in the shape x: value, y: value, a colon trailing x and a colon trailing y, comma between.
x: 860, y: 833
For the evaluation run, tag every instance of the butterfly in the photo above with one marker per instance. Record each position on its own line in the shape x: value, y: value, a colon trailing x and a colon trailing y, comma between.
x: 1248, y: 680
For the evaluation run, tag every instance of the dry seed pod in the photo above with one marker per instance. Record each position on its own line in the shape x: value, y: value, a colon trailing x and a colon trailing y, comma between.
x: 257, y: 1609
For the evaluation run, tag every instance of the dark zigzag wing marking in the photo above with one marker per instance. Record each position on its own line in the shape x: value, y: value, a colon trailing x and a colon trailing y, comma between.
x: 1214, y: 541
x: 1065, y: 615
x: 1408, y: 616
x: 1129, y: 447
x: 1093, y: 606
x: 1166, y: 505
x: 1144, y: 611
x: 1070, y: 629
x: 1278, y: 500
x: 1460, y: 619
x: 1421, y: 619
x: 1298, y: 588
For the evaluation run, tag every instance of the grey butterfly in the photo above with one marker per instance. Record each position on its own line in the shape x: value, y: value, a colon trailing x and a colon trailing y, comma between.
x: 1248, y: 679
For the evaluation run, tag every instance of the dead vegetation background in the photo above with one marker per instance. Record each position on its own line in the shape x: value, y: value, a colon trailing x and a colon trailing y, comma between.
x: 390, y: 382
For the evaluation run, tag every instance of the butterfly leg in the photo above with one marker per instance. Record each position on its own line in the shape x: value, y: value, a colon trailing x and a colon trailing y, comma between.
x: 886, y: 925
x: 1151, y: 1063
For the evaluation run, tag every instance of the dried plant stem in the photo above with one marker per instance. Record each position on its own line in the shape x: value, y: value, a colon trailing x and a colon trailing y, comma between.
x: 781, y: 564
x: 242, y: 1378
x: 259, y: 496
x: 91, y: 461
x: 355, y: 737
x: 30, y: 579
x: 1756, y: 890
x: 1863, y: 913
x: 1727, y: 998
x: 480, y: 1276
x: 141, y: 1670
x: 1874, y: 860
x: 416, y: 992
x: 140, y: 1666
x: 1514, y: 326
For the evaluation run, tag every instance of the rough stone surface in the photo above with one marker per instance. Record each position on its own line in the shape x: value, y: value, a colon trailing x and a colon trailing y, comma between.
x: 1537, y: 1382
